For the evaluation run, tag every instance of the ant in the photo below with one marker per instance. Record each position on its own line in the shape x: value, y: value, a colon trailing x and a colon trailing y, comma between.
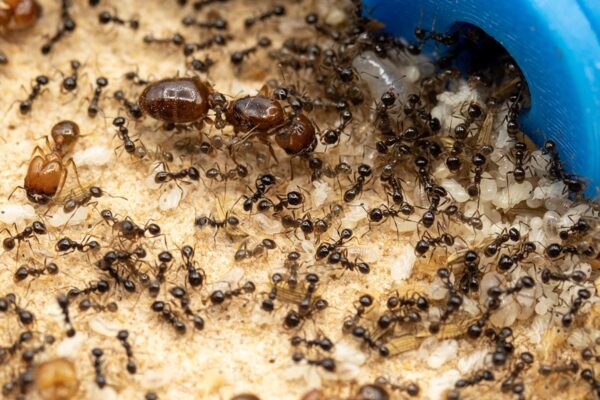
x: 25, y: 317
x: 201, y: 222
x: 365, y: 301
x: 364, y: 171
x: 36, y: 228
x: 86, y: 304
x: 427, y: 241
x: 219, y: 296
x: 491, y: 249
x: 325, y: 249
x: 275, y: 11
x: 292, y: 198
x: 556, y: 169
x: 316, y: 165
x: 164, y: 259
x: 69, y: 83
x: 177, y: 39
x: 195, y: 276
x: 525, y: 282
x: 412, y: 389
x: 215, y: 173
x: 122, y: 336
x: 567, y: 318
x: 243, y: 252
x: 93, y: 108
x: 473, y: 221
x: 6, y: 352
x: 135, y: 78
x: 100, y: 379
x: 68, y: 25
x: 26, y: 105
x: 324, y: 343
x: 123, y: 133
x: 520, y: 154
x: 218, y: 23
x: 577, y: 276
x: 166, y: 176
x: 133, y: 109
x: 204, y: 66
x: 304, y: 223
x: 263, y: 184
x: 554, y: 250
x: 342, y: 258
x: 66, y: 244
x: 580, y: 227
x: 24, y: 271
x: 63, y: 303
x: 217, y: 39
x: 169, y: 316
x: 313, y: 19
x: 180, y: 293
x: 237, y: 57
x: 478, y: 161
x: 101, y: 286
x: 81, y: 197
x: 506, y: 262
x: 131, y: 231
x: 199, y: 4
x: 328, y: 363
x: 453, y: 303
x: 106, y: 17
x: 47, y: 171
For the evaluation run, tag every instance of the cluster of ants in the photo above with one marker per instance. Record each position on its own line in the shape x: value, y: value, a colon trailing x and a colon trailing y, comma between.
x: 305, y: 126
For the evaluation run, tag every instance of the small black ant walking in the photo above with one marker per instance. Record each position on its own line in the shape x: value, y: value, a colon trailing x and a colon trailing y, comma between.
x: 26, y: 105
x: 93, y: 108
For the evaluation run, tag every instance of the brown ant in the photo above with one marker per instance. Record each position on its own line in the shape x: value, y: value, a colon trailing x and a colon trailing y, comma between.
x: 93, y: 108
x: 19, y: 14
x: 68, y: 26
x: 105, y: 17
x: 47, y: 171
x: 26, y: 105
x: 24, y: 271
x: 276, y: 11
x: 36, y: 228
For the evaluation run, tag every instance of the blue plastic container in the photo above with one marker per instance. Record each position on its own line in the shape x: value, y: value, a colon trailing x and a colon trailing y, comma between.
x: 556, y: 43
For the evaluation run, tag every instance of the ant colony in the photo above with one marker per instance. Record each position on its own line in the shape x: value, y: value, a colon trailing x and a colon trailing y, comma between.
x: 232, y: 199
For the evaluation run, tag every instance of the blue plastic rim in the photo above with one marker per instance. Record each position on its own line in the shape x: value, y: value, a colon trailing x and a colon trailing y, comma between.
x: 556, y: 43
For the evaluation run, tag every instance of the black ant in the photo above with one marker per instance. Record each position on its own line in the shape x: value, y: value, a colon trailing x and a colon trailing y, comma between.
x: 177, y: 39
x: 332, y: 136
x: 520, y: 150
x: 123, y: 133
x: 201, y: 222
x: 328, y: 363
x: 478, y: 161
x: 217, y: 39
x: 412, y: 389
x: 556, y: 169
x: 567, y: 318
x: 169, y: 316
x: 506, y: 262
x: 25, y: 317
x: 364, y: 171
x: 166, y: 176
x: 135, y: 78
x: 164, y: 259
x: 579, y: 227
x: 66, y: 244
x: 68, y: 25
x: 554, y: 250
x: 291, y: 263
x: 100, y: 378
x: 326, y: 248
x: 63, y: 303
x: 237, y: 57
x: 427, y: 241
x: 9, y: 351
x: 69, y: 83
x: 218, y: 23
x: 473, y: 221
x: 80, y: 198
x: 105, y: 17
x: 123, y: 335
x: 180, y: 293
x: 199, y: 4
x: 195, y: 276
x: 491, y: 249
x: 219, y: 296
x: 133, y: 109
x: 131, y: 231
x: 106, y: 264
x: 365, y: 301
x: 26, y: 105
x: 576, y: 276
x: 263, y: 184
x: 243, y: 252
x: 86, y: 304
x: 93, y: 108
x: 215, y: 173
x: 304, y: 223
x: 316, y: 166
x: 453, y: 303
x: 36, y: 228
x: 24, y: 271
x: 101, y: 286
x: 292, y: 198
x: 324, y: 343
x: 396, y: 189
x: 382, y: 118
x: 276, y: 11
x: 313, y: 19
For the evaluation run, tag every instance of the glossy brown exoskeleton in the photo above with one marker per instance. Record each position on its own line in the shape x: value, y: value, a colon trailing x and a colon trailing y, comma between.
x: 176, y: 100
